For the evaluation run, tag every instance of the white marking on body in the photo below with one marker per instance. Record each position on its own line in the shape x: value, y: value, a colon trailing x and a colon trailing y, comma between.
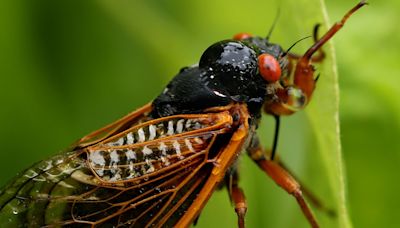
x: 152, y: 130
x: 197, y: 125
x: 129, y: 138
x: 54, y: 177
x: 39, y: 178
x: 65, y: 184
x: 58, y: 161
x: 100, y: 172
x: 144, y: 171
x: 93, y: 198
x: 83, y: 177
x: 179, y: 126
x: 142, y: 137
x: 97, y: 158
x: 188, y: 123
x: 132, y: 172
x: 59, y: 172
x: 162, y: 158
x: 131, y: 167
x: 68, y: 170
x: 189, y: 145
x: 170, y: 128
x: 198, y: 140
x: 130, y: 155
x: 116, y: 177
x: 163, y: 149
x: 120, y: 142
x: 150, y: 170
x: 161, y: 132
x: 114, y: 158
x: 177, y: 148
x: 147, y: 151
x: 151, y: 167
x: 48, y: 166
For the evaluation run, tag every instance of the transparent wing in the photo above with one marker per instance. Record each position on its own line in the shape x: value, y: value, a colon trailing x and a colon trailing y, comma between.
x: 146, y: 175
x: 136, y: 117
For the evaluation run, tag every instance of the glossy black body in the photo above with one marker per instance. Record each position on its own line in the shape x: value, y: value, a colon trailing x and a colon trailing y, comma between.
x: 227, y: 72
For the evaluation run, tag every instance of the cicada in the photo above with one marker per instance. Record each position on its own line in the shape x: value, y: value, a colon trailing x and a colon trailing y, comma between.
x: 159, y: 165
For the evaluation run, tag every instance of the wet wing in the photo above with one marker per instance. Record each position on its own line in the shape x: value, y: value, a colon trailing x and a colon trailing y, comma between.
x: 146, y: 175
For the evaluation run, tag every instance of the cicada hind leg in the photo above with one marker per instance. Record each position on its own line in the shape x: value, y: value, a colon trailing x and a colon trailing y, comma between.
x: 281, y: 177
x: 236, y: 196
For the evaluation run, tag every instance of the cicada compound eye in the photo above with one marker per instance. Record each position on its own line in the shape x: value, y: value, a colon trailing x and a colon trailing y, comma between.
x: 269, y: 67
x: 242, y: 36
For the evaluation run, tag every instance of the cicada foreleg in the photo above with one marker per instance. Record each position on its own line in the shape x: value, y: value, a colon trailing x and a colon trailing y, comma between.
x: 293, y: 58
x: 304, y: 73
x: 295, y: 95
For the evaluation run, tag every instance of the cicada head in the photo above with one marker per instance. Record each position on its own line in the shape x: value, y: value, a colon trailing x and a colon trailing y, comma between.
x: 252, y: 70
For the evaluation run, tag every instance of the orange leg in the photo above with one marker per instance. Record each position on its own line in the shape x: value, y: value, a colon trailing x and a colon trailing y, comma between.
x: 293, y: 58
x: 313, y: 200
x: 316, y: 59
x: 237, y: 196
x: 282, y: 178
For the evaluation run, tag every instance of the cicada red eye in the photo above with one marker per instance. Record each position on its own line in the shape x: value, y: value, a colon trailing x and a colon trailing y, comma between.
x: 242, y: 36
x: 269, y: 67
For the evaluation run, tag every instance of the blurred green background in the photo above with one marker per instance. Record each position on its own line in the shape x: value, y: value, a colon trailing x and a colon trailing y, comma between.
x: 70, y: 67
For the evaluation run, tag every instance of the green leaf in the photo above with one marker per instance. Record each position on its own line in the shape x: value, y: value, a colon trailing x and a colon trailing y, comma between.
x: 324, y: 119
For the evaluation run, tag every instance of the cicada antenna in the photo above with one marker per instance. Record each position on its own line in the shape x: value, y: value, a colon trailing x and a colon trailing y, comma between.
x: 275, y: 22
x: 294, y: 44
